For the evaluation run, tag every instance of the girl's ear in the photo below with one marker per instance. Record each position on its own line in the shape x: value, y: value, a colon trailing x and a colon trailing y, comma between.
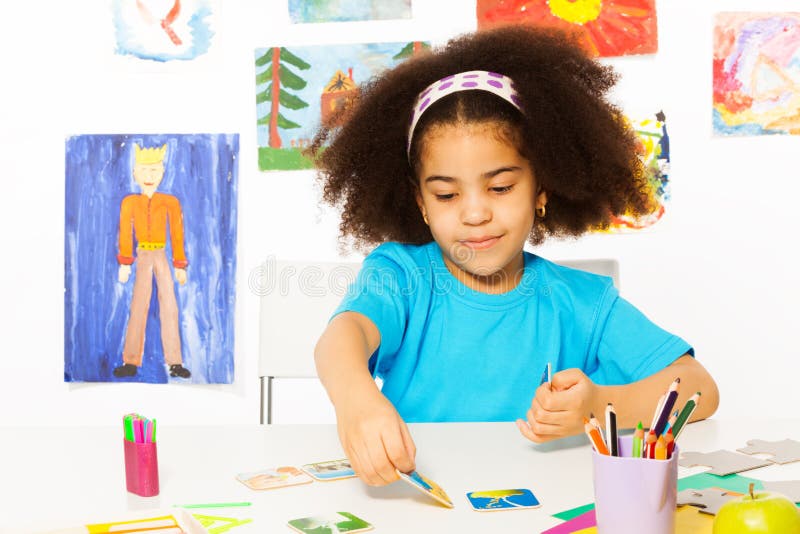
x: 421, y: 206
x: 541, y: 199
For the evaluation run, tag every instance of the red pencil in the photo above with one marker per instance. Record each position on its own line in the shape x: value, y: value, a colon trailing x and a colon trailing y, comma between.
x: 650, y: 447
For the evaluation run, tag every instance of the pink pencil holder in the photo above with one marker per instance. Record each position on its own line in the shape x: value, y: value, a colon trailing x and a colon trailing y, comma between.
x: 141, y: 468
x: 634, y: 494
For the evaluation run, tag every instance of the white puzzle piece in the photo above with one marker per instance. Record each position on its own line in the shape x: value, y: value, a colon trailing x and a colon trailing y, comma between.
x: 790, y: 488
x: 708, y: 500
x: 721, y: 462
x: 783, y: 452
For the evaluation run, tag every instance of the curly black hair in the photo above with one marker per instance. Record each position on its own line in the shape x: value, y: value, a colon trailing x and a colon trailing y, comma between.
x: 582, y: 151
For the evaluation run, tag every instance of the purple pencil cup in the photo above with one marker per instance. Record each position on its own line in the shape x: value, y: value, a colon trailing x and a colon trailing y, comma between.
x: 141, y: 468
x: 634, y: 495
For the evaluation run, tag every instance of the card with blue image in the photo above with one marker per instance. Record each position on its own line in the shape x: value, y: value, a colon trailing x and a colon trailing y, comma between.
x: 330, y: 470
x: 506, y: 499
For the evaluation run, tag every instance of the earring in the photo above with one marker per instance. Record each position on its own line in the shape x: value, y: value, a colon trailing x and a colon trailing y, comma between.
x: 425, y: 218
x: 540, y: 212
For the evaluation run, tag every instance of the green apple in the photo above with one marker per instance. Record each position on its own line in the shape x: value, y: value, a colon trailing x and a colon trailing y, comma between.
x: 762, y: 512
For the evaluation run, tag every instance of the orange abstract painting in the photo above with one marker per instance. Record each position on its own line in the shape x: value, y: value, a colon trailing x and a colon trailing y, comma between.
x: 606, y: 27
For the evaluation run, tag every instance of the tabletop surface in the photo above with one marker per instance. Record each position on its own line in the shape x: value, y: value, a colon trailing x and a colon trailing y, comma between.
x: 60, y: 477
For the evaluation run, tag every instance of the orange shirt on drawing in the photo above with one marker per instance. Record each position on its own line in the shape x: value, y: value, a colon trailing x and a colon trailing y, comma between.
x: 148, y: 218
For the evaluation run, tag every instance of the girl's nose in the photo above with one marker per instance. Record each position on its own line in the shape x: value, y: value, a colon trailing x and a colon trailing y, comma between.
x: 475, y: 211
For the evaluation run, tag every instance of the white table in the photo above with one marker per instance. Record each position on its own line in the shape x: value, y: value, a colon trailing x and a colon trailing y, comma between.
x: 55, y: 477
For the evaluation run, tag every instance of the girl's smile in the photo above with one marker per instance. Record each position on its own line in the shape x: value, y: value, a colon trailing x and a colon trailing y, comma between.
x: 480, y: 243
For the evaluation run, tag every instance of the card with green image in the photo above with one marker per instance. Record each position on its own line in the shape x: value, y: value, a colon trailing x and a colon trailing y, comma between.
x: 330, y: 523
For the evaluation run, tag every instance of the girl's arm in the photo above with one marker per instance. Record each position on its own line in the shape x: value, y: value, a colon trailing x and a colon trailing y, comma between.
x: 374, y: 437
x: 637, y: 401
x: 558, y: 409
x: 342, y: 353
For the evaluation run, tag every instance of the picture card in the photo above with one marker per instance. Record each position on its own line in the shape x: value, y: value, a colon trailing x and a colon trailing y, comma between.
x: 330, y: 470
x: 505, y: 499
x: 273, y: 478
x: 330, y: 523
x: 426, y: 486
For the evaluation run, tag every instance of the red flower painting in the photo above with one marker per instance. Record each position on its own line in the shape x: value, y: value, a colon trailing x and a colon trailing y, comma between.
x: 606, y: 27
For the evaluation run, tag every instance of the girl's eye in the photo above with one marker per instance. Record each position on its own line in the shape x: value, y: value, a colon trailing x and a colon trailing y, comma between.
x: 502, y: 189
x: 444, y: 197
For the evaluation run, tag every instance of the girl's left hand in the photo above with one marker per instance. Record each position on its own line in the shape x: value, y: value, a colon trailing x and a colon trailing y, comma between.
x: 558, y: 408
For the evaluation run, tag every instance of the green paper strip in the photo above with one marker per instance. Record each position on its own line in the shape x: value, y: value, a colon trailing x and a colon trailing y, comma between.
x: 732, y: 482
x: 213, y: 505
x: 574, y: 512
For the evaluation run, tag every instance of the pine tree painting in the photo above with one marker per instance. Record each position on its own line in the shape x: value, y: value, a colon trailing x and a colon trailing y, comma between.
x: 298, y: 90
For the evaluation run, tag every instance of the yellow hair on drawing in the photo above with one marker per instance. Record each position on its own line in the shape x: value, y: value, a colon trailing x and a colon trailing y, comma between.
x: 149, y: 156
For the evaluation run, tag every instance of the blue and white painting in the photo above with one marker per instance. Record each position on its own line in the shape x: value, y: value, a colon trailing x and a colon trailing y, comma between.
x: 162, y: 30
x: 150, y: 258
x: 346, y: 10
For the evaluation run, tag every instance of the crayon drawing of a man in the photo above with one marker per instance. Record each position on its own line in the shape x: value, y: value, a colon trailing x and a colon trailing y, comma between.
x: 146, y: 217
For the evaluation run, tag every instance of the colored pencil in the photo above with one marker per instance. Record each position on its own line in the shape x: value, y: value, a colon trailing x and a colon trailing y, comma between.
x: 670, y: 440
x: 671, y: 421
x: 595, y: 437
x: 666, y: 409
x: 638, y: 440
x: 658, y: 411
x: 650, y: 444
x: 686, y: 412
x: 595, y: 423
x: 611, y: 430
x: 546, y: 374
x: 660, y: 449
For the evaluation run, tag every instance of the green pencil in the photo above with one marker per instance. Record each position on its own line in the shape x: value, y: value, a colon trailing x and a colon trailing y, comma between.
x: 687, y: 411
x: 638, y: 438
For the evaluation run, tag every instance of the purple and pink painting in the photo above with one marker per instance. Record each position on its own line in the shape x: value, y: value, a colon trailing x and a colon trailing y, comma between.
x: 756, y: 74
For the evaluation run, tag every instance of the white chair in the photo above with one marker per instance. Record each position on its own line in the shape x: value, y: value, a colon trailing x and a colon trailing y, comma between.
x: 297, y: 300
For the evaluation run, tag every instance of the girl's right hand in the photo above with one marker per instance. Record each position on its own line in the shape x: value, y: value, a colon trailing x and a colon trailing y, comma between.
x: 375, y: 438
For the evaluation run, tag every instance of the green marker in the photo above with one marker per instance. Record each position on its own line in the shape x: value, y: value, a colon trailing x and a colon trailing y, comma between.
x: 128, y: 426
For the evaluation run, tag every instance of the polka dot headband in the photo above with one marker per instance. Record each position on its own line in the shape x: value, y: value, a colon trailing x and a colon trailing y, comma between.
x: 502, y: 86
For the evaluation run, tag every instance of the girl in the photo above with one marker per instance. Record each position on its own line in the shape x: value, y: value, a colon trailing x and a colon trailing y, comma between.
x: 454, y: 160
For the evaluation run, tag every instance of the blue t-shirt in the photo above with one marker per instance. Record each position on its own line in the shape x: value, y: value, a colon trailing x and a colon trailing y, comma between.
x: 449, y: 353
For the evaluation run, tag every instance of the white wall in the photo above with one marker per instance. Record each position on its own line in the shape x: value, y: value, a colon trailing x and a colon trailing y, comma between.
x: 716, y: 270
